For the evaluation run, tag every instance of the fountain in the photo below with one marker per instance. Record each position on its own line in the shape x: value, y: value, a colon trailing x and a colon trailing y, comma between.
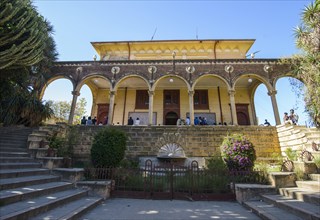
x: 171, y: 152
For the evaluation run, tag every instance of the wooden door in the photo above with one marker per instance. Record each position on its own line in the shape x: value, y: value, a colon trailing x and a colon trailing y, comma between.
x: 103, y: 110
x: 243, y: 114
x: 171, y: 106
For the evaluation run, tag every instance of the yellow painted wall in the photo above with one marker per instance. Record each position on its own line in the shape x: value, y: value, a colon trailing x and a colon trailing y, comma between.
x: 241, y: 96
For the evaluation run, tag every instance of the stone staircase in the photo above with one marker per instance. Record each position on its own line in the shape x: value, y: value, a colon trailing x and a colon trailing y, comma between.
x: 28, y: 191
x: 302, y: 199
x: 298, y: 138
x: 301, y: 202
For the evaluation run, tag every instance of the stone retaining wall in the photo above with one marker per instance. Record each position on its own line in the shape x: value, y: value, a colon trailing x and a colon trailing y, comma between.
x: 197, y: 141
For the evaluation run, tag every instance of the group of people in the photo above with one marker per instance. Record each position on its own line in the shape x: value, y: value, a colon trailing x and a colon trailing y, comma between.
x: 89, y: 121
x: 135, y: 122
x: 197, y: 121
x: 200, y: 121
x: 287, y: 119
x: 290, y: 119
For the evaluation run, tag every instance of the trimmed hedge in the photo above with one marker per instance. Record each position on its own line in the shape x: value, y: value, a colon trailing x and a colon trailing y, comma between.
x: 108, y: 148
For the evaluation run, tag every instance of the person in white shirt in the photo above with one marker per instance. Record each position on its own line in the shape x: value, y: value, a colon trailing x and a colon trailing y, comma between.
x: 188, y: 121
x: 137, y: 121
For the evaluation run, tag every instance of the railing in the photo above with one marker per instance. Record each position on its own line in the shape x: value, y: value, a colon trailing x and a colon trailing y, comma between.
x: 174, y: 182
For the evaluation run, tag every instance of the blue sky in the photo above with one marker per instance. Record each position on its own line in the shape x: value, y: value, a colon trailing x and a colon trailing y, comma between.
x: 271, y: 23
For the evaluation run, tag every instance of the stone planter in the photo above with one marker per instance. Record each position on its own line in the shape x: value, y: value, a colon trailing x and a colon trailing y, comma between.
x: 307, y: 167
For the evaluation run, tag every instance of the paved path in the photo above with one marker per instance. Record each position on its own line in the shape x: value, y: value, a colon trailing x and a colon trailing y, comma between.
x: 166, y: 209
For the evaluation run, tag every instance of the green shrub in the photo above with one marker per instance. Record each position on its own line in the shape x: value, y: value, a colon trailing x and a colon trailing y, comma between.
x: 57, y: 142
x: 64, y: 144
x: 129, y: 163
x: 291, y: 154
x: 108, y: 147
x: 316, y: 160
x: 238, y: 153
x: 216, y: 163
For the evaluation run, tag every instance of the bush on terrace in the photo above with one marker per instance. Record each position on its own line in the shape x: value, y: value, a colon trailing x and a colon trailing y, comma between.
x: 108, y: 148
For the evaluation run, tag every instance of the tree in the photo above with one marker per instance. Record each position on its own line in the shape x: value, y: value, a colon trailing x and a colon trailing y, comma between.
x: 80, y: 110
x: 23, y: 34
x: 61, y: 110
x: 27, y: 51
x: 306, y: 66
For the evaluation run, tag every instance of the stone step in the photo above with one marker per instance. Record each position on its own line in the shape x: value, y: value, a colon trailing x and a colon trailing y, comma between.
x: 14, y: 154
x: 13, y: 143
x: 309, y: 184
x: 9, y: 196
x: 13, y: 173
x: 289, y: 137
x: 13, y: 149
x: 17, y: 165
x: 299, y: 208
x: 301, y: 194
x: 73, y: 210
x: 13, y: 138
x: 15, y: 159
x: 28, y: 208
x: 269, y: 211
x: 315, y: 176
x: 11, y: 183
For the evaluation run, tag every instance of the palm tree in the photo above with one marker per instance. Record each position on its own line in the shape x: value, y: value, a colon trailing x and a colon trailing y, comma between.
x: 306, y: 66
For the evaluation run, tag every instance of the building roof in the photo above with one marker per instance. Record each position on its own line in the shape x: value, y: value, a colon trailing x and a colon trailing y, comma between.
x: 180, y: 49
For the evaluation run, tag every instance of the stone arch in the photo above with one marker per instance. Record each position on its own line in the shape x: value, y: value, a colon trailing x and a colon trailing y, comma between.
x: 294, y: 100
x: 170, y: 76
x: 246, y: 110
x: 131, y: 76
x: 209, y: 98
x: 45, y: 86
x: 255, y: 76
x: 274, y: 82
x: 90, y: 76
x: 209, y: 75
x: 95, y: 82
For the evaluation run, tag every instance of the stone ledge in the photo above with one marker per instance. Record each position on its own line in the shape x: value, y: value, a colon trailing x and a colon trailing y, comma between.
x: 97, y: 188
x: 282, y: 179
x: 51, y: 162
x: 72, y: 175
x: 246, y: 192
x: 307, y: 167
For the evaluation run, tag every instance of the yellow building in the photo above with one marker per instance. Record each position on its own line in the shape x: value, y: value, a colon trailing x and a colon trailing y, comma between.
x: 162, y: 81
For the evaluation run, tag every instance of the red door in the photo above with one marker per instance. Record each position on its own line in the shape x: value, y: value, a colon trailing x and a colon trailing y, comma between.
x: 103, y: 110
x: 243, y: 114
x: 171, y: 106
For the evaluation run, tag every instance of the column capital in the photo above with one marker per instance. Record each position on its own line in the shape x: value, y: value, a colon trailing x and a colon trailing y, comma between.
x: 232, y: 92
x: 191, y: 92
x: 272, y: 92
x: 151, y: 93
x: 112, y: 93
x: 77, y: 93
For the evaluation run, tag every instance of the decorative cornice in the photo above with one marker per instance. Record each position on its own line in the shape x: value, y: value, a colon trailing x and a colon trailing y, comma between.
x: 165, y: 62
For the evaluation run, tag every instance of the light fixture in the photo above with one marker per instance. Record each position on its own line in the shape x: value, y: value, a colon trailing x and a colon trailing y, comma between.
x: 171, y: 80
x: 249, y: 80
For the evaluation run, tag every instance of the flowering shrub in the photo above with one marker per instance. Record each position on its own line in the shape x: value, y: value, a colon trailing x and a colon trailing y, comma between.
x: 238, y: 153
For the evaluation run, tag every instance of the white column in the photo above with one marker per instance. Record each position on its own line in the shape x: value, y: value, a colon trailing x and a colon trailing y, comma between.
x: 75, y: 95
x: 151, y: 93
x: 111, y: 105
x: 191, y: 107
x: 272, y: 94
x: 233, y: 107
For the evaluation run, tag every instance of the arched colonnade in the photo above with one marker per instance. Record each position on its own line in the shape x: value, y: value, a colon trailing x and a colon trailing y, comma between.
x: 223, y: 90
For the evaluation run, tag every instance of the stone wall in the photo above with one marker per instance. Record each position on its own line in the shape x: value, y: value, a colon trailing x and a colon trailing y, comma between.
x: 197, y: 141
